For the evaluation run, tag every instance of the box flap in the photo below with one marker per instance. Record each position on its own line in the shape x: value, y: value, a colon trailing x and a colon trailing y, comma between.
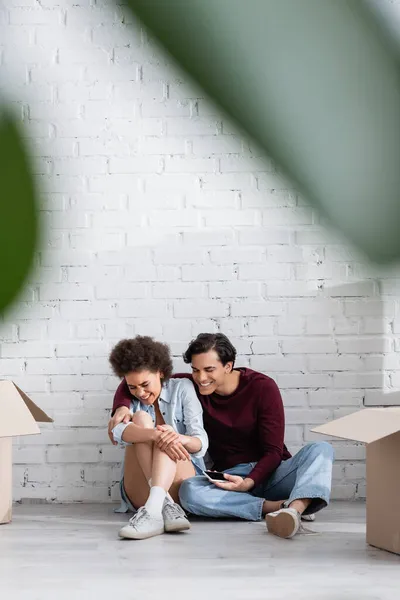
x: 37, y: 413
x: 367, y: 425
x: 18, y: 414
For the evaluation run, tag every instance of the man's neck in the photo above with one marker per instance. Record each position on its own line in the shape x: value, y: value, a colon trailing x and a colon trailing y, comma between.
x: 230, y: 385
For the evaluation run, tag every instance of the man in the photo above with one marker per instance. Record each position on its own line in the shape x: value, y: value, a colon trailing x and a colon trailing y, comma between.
x: 244, y: 419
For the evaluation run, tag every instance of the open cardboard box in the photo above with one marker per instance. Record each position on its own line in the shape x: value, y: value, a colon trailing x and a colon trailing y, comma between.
x: 18, y: 416
x: 379, y: 428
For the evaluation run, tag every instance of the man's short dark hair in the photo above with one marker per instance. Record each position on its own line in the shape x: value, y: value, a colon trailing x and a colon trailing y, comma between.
x: 139, y: 354
x: 211, y: 341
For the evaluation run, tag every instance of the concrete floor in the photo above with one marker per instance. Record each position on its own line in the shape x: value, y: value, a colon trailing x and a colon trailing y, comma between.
x: 72, y: 552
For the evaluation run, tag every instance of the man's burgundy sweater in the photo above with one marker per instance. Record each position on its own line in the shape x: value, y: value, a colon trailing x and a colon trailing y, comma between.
x: 246, y: 426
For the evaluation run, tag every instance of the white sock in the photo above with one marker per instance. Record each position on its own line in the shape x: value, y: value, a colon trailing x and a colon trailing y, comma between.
x: 155, y: 501
x: 169, y: 497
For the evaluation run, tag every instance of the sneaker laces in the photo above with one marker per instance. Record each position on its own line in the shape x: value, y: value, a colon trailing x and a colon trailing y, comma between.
x: 141, y: 515
x: 173, y: 511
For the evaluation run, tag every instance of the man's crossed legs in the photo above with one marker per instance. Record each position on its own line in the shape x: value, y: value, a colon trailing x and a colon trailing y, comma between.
x: 302, y: 482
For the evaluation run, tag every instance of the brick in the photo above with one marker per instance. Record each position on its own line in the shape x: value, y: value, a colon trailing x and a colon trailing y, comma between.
x: 27, y: 349
x: 335, y: 398
x: 168, y: 218
x: 234, y: 181
x: 261, y: 272
x: 190, y: 126
x: 308, y: 345
x: 121, y: 290
x: 82, y: 454
x: 207, y: 273
x: 209, y: 145
x: 84, y: 310
x: 267, y: 199
x: 238, y: 255
x: 303, y: 381
x: 319, y: 325
x: 287, y: 216
x: 141, y: 308
x: 363, y: 345
x: 261, y: 326
x: 201, y: 308
x: 355, y: 471
x: 233, y: 289
x: 178, y: 256
x: 314, y: 416
x: 357, y: 380
x: 28, y: 455
x: 30, y: 331
x: 190, y: 165
x: 335, y: 363
x: 291, y: 325
x: 211, y: 199
x: 157, y: 145
x: 279, y: 364
x: 222, y: 237
x: 38, y: 16
x: 360, y: 288
x: 232, y: 218
x: 12, y: 366
x: 256, y: 308
x: 65, y: 291
x: 315, y: 307
x: 178, y: 290
x: 264, y: 346
x: 135, y: 165
x: 9, y: 332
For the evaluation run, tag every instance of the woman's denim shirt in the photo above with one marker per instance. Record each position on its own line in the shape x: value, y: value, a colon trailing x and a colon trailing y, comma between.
x: 179, y: 407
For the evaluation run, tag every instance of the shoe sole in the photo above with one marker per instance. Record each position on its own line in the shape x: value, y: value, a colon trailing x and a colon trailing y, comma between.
x: 177, y: 527
x: 140, y: 536
x: 283, y: 525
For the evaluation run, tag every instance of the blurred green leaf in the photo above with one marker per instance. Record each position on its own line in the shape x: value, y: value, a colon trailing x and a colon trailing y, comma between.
x: 316, y: 83
x: 18, y: 216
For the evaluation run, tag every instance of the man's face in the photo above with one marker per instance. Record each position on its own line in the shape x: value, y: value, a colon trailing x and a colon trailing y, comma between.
x: 144, y: 385
x: 208, y: 372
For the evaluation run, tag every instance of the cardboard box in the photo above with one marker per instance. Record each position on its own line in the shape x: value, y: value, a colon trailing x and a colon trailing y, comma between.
x: 379, y: 428
x: 18, y: 416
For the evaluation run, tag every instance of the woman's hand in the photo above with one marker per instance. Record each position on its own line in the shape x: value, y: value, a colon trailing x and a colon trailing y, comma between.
x: 121, y: 415
x: 170, y: 442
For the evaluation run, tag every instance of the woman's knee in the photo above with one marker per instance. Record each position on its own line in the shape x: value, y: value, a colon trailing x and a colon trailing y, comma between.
x: 142, y: 419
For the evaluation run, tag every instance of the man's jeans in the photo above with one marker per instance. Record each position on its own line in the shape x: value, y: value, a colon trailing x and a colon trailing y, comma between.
x: 308, y: 474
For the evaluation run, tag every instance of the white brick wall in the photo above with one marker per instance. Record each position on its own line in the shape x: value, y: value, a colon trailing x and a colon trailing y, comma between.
x: 162, y: 219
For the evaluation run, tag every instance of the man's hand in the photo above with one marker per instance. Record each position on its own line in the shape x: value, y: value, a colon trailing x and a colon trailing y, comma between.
x: 121, y: 415
x: 235, y: 483
x: 170, y: 442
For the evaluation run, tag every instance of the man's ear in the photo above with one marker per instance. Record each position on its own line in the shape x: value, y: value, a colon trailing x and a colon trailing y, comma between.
x: 228, y: 367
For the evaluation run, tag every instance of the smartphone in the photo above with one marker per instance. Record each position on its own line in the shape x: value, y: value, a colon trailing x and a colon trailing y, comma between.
x: 214, y: 475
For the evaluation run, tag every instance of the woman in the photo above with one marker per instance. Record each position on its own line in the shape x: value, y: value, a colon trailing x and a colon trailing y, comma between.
x: 163, y: 439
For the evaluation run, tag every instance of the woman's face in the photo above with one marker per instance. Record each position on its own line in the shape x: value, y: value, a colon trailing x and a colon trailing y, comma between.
x: 145, y: 385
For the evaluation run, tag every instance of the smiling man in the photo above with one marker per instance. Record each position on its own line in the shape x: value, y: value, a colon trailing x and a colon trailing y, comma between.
x: 244, y: 418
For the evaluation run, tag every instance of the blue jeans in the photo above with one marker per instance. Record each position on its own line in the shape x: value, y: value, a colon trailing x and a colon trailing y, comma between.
x: 308, y: 474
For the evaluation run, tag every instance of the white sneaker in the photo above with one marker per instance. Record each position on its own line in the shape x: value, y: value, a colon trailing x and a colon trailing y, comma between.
x: 284, y: 523
x: 309, y: 518
x: 142, y: 525
x: 175, y: 518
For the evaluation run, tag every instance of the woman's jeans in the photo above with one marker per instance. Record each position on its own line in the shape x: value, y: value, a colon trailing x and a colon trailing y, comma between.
x: 308, y: 474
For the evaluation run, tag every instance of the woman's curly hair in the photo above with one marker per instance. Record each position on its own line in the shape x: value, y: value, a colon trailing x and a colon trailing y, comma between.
x: 139, y: 354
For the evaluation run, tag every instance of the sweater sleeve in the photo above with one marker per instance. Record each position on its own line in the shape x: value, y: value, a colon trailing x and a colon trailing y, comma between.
x: 271, y: 431
x: 122, y: 397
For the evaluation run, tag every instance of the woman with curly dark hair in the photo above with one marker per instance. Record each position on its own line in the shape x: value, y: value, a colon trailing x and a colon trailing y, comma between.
x: 164, y: 435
